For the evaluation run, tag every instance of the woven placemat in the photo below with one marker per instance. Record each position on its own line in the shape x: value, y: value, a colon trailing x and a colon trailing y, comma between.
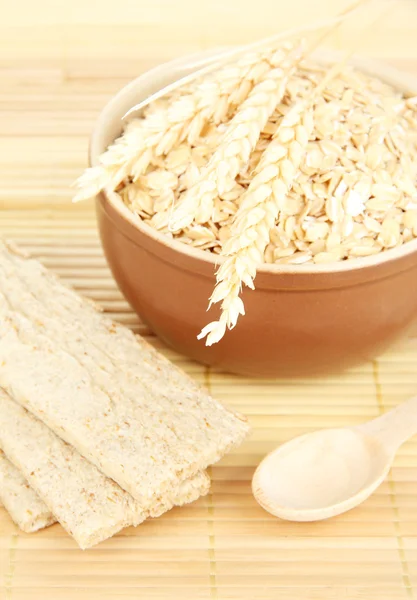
x: 225, y: 546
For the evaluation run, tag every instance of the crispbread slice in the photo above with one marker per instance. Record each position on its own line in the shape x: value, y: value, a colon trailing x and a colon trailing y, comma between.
x: 90, y: 506
x: 115, y: 400
x: 22, y: 503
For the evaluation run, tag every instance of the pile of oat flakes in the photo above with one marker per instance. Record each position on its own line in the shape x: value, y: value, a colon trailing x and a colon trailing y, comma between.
x: 354, y: 195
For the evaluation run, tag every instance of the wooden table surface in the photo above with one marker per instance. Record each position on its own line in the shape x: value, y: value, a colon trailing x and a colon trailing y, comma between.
x: 60, y: 61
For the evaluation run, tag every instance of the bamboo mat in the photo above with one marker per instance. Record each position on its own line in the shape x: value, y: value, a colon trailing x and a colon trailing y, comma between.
x: 225, y: 546
x: 54, y: 80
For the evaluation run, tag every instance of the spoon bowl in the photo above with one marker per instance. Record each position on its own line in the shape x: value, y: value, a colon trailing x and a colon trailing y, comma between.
x: 320, y: 475
x: 325, y: 473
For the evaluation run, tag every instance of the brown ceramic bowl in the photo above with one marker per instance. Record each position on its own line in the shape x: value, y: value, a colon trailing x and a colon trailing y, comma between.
x: 300, y: 320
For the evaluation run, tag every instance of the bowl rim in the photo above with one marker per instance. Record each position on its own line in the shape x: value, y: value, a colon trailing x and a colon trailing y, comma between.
x: 390, y: 74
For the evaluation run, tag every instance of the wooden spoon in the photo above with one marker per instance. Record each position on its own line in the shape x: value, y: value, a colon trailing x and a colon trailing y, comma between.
x: 325, y: 473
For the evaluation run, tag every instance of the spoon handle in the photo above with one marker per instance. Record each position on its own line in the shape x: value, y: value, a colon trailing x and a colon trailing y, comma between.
x: 394, y: 427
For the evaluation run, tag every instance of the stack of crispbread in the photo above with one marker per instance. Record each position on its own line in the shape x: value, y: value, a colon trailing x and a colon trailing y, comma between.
x: 105, y: 430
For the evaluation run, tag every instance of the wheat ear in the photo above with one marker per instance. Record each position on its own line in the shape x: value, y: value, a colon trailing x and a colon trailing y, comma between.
x: 259, y: 209
x: 184, y: 117
x: 227, y: 89
x: 114, y: 164
x: 256, y: 216
x: 238, y: 142
x: 131, y: 154
x: 197, y: 203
